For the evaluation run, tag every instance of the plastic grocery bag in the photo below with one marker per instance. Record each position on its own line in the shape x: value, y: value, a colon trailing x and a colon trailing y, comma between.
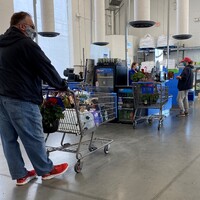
x: 147, y: 41
x: 70, y: 122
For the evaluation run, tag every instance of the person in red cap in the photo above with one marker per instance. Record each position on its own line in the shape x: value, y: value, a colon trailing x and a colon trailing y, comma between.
x: 185, y: 83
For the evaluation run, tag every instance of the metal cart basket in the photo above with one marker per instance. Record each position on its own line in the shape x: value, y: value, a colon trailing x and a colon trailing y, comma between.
x: 149, y: 95
x: 85, y: 111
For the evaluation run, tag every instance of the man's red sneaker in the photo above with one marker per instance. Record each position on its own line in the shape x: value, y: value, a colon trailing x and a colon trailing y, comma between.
x: 30, y: 175
x: 57, y: 170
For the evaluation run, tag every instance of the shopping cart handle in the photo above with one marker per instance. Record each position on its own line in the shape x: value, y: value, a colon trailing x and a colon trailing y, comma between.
x: 49, y: 88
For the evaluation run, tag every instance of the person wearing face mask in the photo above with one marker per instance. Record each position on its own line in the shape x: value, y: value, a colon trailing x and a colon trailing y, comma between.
x: 185, y: 83
x: 23, y: 66
x: 134, y: 69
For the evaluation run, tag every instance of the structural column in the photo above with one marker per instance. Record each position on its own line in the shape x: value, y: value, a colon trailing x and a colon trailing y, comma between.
x: 99, y: 18
x: 48, y: 20
x: 182, y: 15
x: 141, y: 10
x: 182, y: 20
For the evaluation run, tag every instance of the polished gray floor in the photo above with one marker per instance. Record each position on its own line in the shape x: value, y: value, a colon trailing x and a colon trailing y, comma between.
x: 142, y: 164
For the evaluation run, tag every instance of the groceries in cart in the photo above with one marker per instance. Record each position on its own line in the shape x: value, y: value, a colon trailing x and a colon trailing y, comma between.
x: 83, y: 112
x: 59, y: 108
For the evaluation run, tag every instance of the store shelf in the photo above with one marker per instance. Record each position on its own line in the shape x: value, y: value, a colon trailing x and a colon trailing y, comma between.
x: 105, y: 77
x: 151, y: 50
x: 171, y: 49
x: 126, y: 109
x: 189, y: 48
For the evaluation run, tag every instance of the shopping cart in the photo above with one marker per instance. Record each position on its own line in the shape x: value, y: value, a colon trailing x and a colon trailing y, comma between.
x: 149, y: 95
x: 88, y: 109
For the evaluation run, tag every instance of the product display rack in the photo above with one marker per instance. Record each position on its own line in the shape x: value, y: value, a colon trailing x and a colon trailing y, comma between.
x: 197, y: 81
x: 125, y: 104
x: 108, y: 75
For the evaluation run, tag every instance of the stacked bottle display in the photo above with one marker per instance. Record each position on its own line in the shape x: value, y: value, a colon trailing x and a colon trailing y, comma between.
x: 125, y: 105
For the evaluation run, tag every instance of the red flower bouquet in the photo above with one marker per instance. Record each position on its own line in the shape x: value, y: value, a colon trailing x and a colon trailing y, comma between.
x: 51, y: 110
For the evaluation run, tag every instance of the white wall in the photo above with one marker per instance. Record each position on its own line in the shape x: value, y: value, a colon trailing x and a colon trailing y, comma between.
x: 117, y: 49
x: 6, y: 11
x: 81, y: 18
x: 194, y: 27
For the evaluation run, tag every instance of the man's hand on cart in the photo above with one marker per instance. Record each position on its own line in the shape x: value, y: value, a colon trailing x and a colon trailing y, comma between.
x: 65, y: 84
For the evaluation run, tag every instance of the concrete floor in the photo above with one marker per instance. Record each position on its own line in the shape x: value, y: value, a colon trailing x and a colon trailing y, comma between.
x: 142, y: 164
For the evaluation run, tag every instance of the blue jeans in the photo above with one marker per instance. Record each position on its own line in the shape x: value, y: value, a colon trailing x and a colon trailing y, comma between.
x: 21, y: 119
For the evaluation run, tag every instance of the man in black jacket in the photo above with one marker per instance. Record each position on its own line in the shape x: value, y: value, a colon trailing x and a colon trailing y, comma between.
x: 185, y: 83
x: 23, y: 66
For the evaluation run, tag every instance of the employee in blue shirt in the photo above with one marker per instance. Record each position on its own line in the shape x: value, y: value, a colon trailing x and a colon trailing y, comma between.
x: 134, y: 69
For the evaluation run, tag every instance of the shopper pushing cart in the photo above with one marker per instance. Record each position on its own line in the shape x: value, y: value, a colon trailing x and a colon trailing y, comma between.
x: 23, y: 66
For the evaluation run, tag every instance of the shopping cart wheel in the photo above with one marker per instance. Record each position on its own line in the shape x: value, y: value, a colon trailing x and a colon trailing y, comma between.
x: 66, y: 145
x: 92, y: 148
x: 160, y: 124
x: 150, y: 121
x: 134, y: 124
x: 49, y: 150
x: 78, y: 166
x: 106, y: 149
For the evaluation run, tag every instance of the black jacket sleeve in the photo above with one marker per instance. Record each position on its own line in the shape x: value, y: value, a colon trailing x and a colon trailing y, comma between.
x: 185, y: 73
x: 186, y: 81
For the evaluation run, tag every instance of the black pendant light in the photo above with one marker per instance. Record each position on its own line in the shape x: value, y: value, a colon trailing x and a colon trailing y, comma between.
x: 48, y: 34
x: 142, y: 23
x: 182, y: 36
x: 100, y: 43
